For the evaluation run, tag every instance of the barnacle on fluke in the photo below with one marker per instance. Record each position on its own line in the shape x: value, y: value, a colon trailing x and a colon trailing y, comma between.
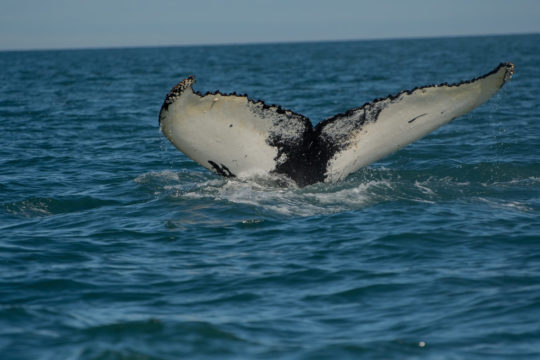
x: 236, y: 136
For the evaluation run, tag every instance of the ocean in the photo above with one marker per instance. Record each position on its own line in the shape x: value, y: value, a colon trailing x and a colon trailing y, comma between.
x: 114, y: 245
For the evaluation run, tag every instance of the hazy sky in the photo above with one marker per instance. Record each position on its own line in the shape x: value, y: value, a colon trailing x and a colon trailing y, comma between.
x: 38, y: 24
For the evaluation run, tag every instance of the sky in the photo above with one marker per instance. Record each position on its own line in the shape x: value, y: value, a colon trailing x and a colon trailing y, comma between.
x: 54, y: 24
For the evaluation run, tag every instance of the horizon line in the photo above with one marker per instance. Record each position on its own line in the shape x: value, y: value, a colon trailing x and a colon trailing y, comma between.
x: 269, y: 42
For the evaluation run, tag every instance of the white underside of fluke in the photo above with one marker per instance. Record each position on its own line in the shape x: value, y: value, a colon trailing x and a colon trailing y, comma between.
x: 225, y: 132
x: 235, y: 136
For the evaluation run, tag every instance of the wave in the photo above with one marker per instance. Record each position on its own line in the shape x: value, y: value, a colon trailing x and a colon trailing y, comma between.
x: 35, y: 207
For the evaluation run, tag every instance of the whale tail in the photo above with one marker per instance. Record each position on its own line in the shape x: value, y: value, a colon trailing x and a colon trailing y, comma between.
x: 236, y: 136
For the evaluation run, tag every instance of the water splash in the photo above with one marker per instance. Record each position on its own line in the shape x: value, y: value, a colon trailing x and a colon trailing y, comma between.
x: 364, y: 189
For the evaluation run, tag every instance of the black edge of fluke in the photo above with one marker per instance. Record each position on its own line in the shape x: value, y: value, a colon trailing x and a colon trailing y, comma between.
x: 177, y: 90
x: 508, y: 74
x: 188, y: 82
x: 175, y: 93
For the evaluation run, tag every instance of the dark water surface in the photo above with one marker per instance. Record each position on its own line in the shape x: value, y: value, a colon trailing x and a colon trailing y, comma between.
x: 114, y: 245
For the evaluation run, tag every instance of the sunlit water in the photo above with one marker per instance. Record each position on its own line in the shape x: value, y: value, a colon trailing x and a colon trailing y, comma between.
x: 116, y: 246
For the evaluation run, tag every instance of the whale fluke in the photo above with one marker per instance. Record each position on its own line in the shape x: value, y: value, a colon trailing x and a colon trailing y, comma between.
x: 236, y: 136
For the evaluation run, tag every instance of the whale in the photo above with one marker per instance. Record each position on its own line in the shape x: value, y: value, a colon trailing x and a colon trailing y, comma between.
x: 238, y: 137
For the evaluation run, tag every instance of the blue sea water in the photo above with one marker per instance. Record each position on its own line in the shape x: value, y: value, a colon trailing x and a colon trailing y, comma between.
x: 114, y: 245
